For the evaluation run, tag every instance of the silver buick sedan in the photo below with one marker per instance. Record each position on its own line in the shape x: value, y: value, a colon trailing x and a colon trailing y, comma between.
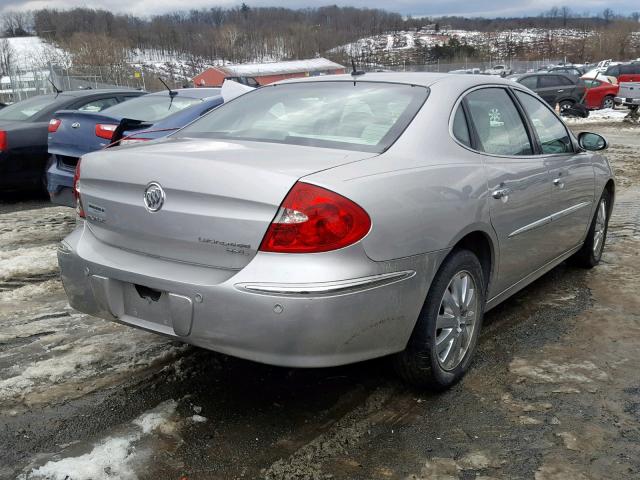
x: 325, y: 221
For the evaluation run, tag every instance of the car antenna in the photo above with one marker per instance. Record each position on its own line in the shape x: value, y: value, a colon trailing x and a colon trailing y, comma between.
x: 354, y: 71
x: 58, y: 91
x: 172, y: 93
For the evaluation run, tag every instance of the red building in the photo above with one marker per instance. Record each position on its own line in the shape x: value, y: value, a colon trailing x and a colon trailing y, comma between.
x: 254, y: 74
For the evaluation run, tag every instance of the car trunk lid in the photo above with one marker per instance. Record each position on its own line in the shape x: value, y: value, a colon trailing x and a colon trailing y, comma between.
x: 76, y: 135
x: 219, y: 197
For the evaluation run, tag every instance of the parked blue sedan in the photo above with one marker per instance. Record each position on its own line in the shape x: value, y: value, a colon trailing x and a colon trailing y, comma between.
x: 72, y: 133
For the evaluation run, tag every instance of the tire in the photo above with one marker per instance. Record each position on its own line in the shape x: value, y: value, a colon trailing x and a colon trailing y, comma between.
x: 608, y: 102
x: 43, y: 178
x: 425, y: 362
x: 591, y: 252
x: 566, y: 105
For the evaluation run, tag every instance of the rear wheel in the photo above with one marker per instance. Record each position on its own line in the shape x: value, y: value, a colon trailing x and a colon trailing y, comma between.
x: 566, y: 105
x: 608, y: 102
x: 591, y: 252
x: 445, y: 336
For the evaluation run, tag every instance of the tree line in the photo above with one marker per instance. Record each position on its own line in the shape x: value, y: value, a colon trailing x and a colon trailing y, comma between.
x: 99, y: 38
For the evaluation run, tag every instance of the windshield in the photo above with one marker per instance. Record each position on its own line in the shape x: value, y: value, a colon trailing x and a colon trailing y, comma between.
x: 151, y: 108
x: 25, y: 109
x: 364, y: 116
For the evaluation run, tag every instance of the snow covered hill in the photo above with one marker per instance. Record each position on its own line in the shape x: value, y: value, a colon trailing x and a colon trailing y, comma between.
x: 33, y: 53
x: 501, y: 44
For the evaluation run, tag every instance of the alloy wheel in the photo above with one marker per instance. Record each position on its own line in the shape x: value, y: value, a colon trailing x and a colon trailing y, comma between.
x: 456, y: 320
x: 600, y: 227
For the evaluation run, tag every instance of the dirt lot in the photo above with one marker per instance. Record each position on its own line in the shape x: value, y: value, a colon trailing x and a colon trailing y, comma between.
x: 553, y: 395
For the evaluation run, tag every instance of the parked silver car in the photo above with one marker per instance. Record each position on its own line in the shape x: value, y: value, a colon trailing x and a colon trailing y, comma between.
x: 324, y: 221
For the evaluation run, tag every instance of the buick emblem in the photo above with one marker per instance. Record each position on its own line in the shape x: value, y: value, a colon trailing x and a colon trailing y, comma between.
x: 153, y: 197
x: 75, y: 125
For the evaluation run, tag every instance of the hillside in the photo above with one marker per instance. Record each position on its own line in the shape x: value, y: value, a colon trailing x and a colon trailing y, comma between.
x: 426, y: 45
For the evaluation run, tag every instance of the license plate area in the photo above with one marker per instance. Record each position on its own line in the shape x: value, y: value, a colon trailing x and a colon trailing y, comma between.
x: 147, y: 304
x: 145, y: 307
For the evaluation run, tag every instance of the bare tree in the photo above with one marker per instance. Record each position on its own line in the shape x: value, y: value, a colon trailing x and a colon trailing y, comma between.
x: 7, y: 57
x: 16, y: 24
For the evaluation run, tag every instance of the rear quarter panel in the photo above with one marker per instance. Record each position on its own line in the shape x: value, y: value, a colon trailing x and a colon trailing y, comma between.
x: 423, y: 194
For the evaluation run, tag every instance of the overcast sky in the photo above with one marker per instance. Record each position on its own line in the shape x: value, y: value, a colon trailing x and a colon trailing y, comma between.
x: 484, y: 8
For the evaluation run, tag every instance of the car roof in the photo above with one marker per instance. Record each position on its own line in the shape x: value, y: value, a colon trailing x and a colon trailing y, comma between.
x: 200, y: 92
x: 98, y: 91
x: 425, y: 79
x: 541, y: 74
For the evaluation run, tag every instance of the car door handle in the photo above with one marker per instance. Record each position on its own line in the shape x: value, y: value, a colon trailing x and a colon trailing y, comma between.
x: 558, y: 182
x: 560, y: 91
x: 501, y: 193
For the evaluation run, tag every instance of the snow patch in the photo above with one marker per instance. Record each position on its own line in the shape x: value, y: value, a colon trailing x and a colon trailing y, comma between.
x: 606, y: 115
x: 113, y: 457
x: 28, y: 262
x: 199, y: 419
x: 30, y: 291
x: 34, y: 53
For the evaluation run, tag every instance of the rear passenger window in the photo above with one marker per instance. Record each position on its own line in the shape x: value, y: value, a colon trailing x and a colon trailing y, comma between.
x: 552, y: 133
x: 564, y: 81
x: 547, y: 81
x: 460, y: 128
x: 529, y: 82
x: 498, y: 123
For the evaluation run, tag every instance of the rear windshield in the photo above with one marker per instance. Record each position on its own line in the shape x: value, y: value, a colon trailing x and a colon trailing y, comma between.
x: 364, y: 116
x: 26, y: 109
x: 151, y: 108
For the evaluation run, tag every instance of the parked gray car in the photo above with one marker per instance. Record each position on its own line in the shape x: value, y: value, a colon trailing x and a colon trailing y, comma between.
x: 330, y: 220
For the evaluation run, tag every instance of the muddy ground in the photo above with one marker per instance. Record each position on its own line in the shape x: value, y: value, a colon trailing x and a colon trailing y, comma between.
x: 554, y: 393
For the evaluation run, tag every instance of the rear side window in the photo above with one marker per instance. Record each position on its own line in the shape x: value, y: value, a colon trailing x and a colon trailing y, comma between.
x: 564, y: 80
x: 547, y: 81
x: 529, y: 82
x: 460, y: 127
x: 27, y: 109
x: 498, y: 124
x: 551, y: 132
x: 98, y: 105
x: 363, y: 116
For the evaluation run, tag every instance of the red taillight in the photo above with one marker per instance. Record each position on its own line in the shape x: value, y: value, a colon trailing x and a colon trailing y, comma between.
x: 54, y: 123
x: 76, y: 191
x: 3, y: 140
x: 105, y: 130
x: 312, y: 219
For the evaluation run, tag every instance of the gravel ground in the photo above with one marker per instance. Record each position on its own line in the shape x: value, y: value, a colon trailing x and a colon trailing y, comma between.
x: 553, y: 395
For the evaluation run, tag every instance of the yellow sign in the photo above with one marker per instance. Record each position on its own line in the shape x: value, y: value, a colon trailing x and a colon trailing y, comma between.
x: 137, y: 74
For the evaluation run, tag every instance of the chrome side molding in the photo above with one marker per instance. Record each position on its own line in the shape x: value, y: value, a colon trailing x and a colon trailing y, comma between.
x: 549, y: 218
x: 325, y: 288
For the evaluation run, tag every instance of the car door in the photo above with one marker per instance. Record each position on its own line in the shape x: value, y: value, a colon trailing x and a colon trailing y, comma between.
x: 594, y: 94
x: 550, y: 88
x: 518, y: 184
x: 572, y: 175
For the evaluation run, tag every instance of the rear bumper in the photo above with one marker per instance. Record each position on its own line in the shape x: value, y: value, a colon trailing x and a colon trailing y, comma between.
x: 60, y: 185
x: 270, y: 311
x: 627, y: 101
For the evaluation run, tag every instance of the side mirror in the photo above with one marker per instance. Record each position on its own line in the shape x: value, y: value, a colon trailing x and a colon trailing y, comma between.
x: 592, y: 141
